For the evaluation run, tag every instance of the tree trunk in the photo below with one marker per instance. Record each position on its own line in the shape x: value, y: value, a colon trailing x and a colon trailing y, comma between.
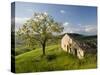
x: 43, y: 48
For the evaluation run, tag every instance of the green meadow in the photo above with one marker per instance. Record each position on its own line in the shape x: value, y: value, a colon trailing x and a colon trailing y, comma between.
x: 55, y: 59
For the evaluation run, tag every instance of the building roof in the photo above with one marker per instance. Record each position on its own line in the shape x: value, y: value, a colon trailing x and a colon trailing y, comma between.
x: 84, y: 42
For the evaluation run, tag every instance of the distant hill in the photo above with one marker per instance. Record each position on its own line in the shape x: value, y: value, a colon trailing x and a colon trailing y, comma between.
x: 79, y: 36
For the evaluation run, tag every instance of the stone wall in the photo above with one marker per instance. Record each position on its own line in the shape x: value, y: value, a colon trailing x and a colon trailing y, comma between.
x: 70, y: 46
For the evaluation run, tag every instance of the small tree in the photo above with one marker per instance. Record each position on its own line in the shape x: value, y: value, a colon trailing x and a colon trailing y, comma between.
x: 40, y: 27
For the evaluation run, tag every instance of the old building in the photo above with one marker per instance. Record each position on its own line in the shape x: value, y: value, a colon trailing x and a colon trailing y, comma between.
x: 71, y: 45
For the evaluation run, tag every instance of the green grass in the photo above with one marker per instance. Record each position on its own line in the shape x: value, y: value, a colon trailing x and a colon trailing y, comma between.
x: 55, y: 59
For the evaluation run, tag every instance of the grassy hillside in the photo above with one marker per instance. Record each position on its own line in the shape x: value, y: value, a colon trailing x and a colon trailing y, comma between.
x: 55, y: 59
x: 30, y: 59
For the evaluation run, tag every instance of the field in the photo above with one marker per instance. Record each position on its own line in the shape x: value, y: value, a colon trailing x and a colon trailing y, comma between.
x: 55, y: 59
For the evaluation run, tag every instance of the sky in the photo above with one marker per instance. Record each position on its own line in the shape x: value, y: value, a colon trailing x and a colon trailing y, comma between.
x: 75, y: 19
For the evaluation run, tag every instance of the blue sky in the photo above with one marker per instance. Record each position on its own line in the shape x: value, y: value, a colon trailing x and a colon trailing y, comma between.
x: 75, y: 19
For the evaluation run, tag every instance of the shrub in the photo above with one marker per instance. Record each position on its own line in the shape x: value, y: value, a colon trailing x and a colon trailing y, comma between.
x: 50, y: 57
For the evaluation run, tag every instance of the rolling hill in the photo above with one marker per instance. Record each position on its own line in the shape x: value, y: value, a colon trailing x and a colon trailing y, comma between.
x: 55, y: 59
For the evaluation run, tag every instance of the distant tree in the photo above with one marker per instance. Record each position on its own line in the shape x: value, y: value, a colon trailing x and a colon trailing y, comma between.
x: 40, y: 28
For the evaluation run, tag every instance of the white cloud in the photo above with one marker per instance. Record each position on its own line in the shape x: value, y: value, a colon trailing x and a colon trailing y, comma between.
x: 19, y: 21
x: 65, y: 24
x: 91, y: 28
x: 62, y: 11
x: 81, y: 29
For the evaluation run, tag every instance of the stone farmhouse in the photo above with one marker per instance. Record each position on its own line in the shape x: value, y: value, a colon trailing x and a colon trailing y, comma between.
x: 75, y: 47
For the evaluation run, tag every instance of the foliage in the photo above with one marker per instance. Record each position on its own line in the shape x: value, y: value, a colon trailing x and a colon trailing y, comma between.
x: 40, y: 27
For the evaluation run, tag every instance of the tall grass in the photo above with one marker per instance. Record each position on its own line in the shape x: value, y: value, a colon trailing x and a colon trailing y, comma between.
x: 55, y: 59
